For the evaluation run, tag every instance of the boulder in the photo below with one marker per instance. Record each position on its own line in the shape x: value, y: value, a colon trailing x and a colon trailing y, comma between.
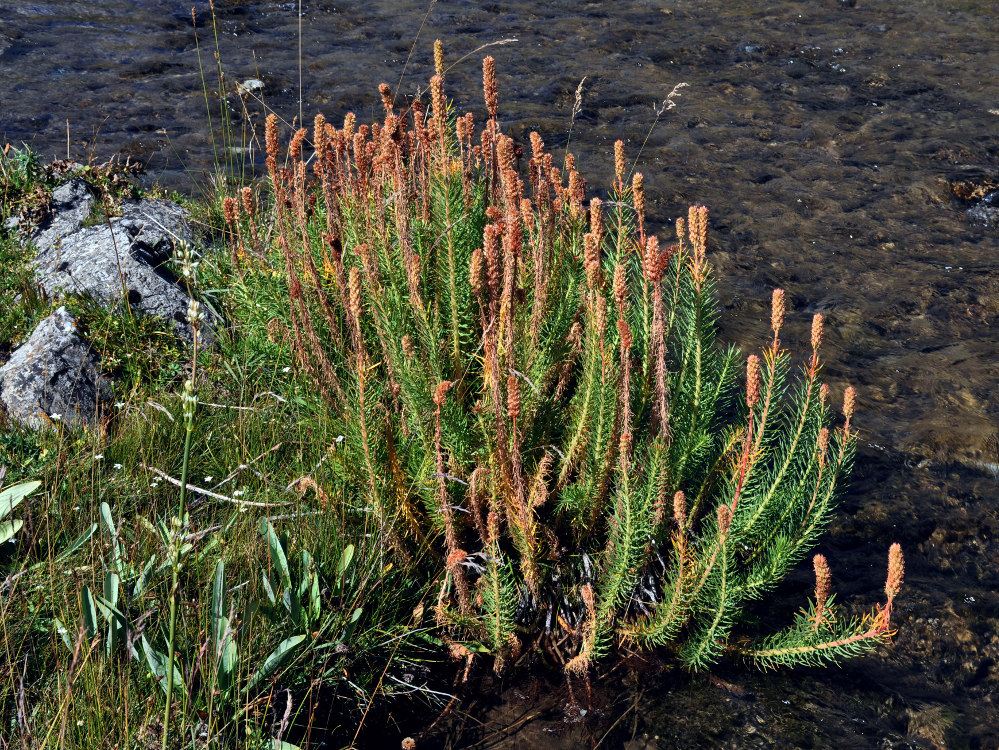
x: 125, y: 257
x: 53, y: 376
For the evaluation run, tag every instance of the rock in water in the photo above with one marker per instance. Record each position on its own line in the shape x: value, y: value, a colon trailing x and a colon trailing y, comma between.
x: 54, y: 376
x: 125, y: 256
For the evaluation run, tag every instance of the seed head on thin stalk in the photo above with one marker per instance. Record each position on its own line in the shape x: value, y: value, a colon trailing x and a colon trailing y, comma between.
x: 386, y: 94
x: 823, y: 586
x: 724, y: 519
x: 823, y: 445
x: 638, y: 200
x: 753, y: 380
x: 777, y: 311
x: 849, y: 404
x: 489, y: 86
x: 817, y: 332
x: 619, y: 163
x: 597, y: 221
x: 439, y: 57
x: 512, y: 397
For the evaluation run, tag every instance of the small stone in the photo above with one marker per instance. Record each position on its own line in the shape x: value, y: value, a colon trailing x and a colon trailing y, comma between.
x: 249, y: 86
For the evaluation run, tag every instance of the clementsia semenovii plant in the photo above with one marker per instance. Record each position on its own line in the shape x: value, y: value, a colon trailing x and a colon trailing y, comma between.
x: 534, y: 400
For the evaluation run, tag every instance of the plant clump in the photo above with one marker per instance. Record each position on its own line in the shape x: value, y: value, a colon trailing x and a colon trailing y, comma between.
x: 534, y: 403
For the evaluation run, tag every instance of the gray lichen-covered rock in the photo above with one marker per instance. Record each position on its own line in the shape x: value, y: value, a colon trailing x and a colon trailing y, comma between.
x: 54, y: 376
x: 124, y: 257
x: 69, y: 207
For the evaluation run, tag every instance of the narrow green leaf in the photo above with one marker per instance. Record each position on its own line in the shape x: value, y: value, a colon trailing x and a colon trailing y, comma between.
x: 76, y: 543
x: 272, y: 662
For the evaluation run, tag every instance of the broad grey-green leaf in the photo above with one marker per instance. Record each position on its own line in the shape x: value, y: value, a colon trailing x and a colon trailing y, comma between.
x: 8, y: 529
x: 346, y: 558
x: 229, y: 659
x: 63, y: 633
x: 11, y: 497
x: 278, y: 557
x: 143, y: 580
x: 157, y: 665
x: 282, y: 745
x: 218, y: 603
x: 89, y: 612
x: 272, y: 662
x: 268, y: 589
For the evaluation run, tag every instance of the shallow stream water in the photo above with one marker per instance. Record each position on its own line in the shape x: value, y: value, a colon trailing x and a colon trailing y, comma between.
x: 847, y: 151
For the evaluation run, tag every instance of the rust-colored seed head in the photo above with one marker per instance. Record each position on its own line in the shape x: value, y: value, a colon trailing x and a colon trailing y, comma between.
x: 638, y: 192
x: 619, y: 163
x: 354, y: 288
x: 777, y: 309
x: 492, y: 526
x: 349, y: 124
x: 460, y: 129
x: 589, y: 599
x: 490, y: 245
x: 537, y: 145
x: 591, y: 253
x: 752, y: 380
x: 229, y: 210
x: 386, y: 93
x: 620, y: 285
x: 408, y: 349
x: 823, y: 443
x: 849, y: 401
x: 601, y: 314
x: 271, y: 135
x: 824, y: 394
x: 817, y: 332
x: 596, y: 217
x: 319, y: 134
x: 295, y: 149
x: 624, y: 330
x: 680, y: 508
x: 442, y: 388
x: 575, y: 338
x: 475, y: 269
x: 724, y: 519
x: 624, y: 443
x: 437, y: 99
x: 494, y: 213
x: 505, y: 151
x: 653, y: 272
x: 415, y: 270
x: 823, y: 581
x: 409, y: 744
x: 249, y: 208
x: 489, y: 85
x: 512, y: 396
x: 439, y: 58
x: 896, y: 571
x: 681, y: 230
